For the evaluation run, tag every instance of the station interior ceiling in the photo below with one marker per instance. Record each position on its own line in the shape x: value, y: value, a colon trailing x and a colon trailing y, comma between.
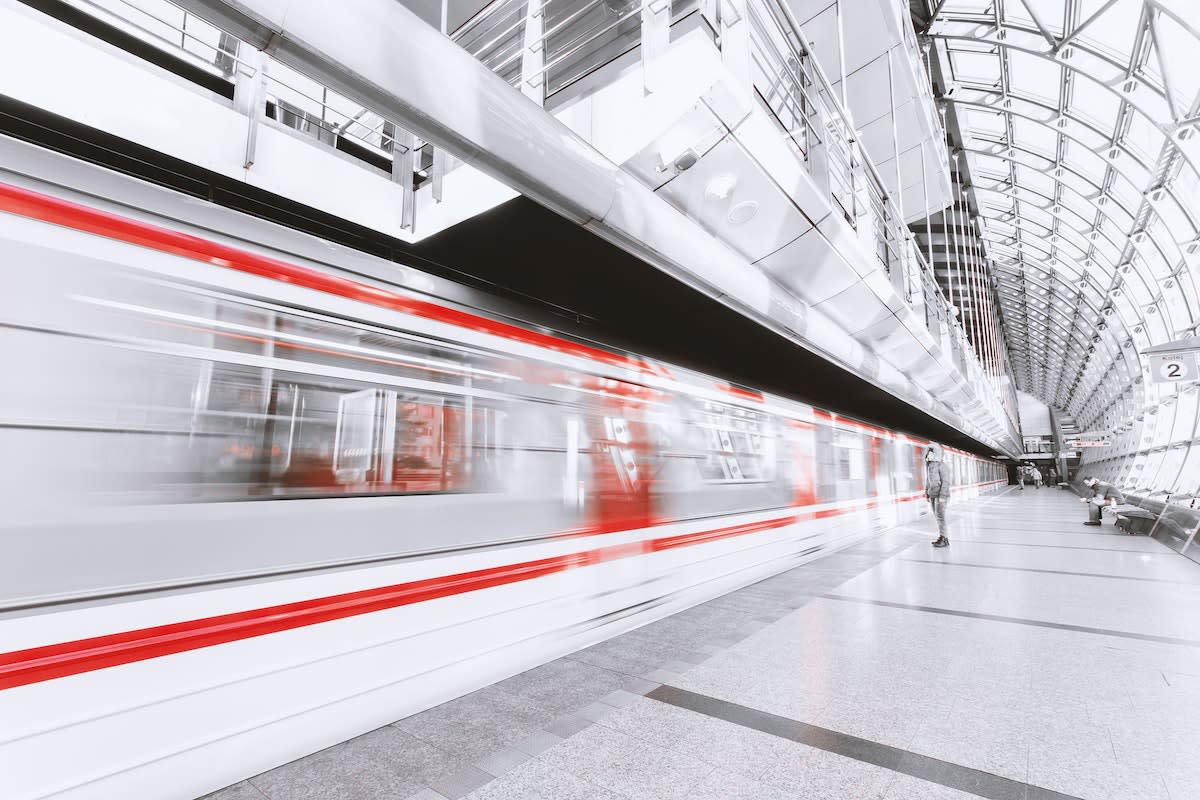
x: 1073, y: 132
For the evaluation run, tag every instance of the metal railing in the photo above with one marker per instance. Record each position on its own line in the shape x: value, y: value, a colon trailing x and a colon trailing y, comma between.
x: 571, y: 38
x: 290, y: 98
x: 170, y: 28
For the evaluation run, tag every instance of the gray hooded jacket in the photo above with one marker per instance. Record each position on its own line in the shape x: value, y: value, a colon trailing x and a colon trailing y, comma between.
x: 937, y: 474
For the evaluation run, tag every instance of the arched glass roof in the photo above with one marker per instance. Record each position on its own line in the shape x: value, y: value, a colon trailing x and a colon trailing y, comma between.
x: 1080, y: 125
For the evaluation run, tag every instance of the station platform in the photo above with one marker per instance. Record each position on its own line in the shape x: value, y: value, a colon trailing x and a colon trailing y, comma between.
x: 1034, y: 658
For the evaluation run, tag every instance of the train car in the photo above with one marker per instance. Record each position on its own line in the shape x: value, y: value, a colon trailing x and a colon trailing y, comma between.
x: 262, y: 494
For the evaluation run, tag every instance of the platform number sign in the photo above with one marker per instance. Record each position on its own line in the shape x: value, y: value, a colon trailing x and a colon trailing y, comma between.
x: 1174, y: 367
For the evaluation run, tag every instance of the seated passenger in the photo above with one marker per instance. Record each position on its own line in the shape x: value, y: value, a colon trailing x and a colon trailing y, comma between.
x: 1095, y: 502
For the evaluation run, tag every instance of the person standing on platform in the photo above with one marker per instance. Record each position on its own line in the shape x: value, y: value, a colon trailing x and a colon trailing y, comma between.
x: 937, y: 489
x: 1036, y: 474
x: 1021, y: 476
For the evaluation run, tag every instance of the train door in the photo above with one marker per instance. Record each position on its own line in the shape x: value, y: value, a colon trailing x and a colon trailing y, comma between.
x: 803, y: 436
x: 622, y: 459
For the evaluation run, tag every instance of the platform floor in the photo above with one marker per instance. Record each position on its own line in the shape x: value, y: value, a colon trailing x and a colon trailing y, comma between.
x: 1035, y: 658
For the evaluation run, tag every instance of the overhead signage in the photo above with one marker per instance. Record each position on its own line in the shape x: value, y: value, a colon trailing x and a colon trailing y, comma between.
x: 1173, y: 367
x: 1075, y: 444
x: 1172, y: 362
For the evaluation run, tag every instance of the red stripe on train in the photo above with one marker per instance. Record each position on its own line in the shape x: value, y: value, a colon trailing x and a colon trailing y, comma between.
x: 38, y: 664
x: 34, y: 665
x: 17, y: 200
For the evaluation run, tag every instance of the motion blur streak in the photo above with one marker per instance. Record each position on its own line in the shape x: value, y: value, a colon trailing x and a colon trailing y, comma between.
x: 250, y: 488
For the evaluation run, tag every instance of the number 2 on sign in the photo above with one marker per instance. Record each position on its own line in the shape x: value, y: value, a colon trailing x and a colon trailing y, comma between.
x: 1174, y: 370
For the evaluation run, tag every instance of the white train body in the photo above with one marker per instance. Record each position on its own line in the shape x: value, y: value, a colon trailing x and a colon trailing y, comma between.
x: 256, y: 503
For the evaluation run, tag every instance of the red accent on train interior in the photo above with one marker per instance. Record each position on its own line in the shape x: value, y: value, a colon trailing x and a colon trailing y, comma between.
x: 26, y: 203
x: 623, y: 460
x: 738, y: 391
x: 804, y: 456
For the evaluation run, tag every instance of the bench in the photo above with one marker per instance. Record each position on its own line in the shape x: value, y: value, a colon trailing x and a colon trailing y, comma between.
x: 1134, y: 520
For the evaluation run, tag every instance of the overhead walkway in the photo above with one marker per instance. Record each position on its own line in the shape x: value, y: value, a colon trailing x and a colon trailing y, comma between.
x: 1034, y: 658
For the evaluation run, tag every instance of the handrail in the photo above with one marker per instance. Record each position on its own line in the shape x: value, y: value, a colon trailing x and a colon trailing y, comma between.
x: 91, y: 6
x: 128, y: 17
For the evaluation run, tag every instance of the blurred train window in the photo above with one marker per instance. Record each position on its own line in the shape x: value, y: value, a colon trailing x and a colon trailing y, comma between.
x: 737, y: 446
x: 826, y: 468
x: 290, y: 404
x: 906, y: 479
x: 886, y: 481
x: 850, y: 459
x: 324, y: 438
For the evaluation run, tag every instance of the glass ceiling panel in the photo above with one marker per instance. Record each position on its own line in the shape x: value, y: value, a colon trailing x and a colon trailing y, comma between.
x: 967, y: 6
x: 985, y: 124
x: 1125, y: 184
x: 1173, y: 215
x: 1144, y: 139
x: 1083, y: 210
x: 1035, y: 136
x: 1116, y: 27
x: 983, y: 68
x: 1177, y: 44
x: 1094, y: 103
x: 1036, y: 180
x: 1124, y: 192
x: 1034, y: 77
x: 1091, y: 166
x: 1049, y: 11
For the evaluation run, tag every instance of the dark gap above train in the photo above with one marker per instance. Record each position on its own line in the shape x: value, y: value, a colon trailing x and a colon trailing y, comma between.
x: 560, y: 275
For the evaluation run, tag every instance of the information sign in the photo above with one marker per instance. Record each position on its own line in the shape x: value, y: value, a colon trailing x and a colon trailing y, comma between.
x: 1173, y: 367
x: 1075, y: 444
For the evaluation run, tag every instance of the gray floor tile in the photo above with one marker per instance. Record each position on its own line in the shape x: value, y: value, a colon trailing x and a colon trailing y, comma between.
x: 460, y: 782
x: 564, y: 685
x: 906, y: 787
x: 568, y: 725
x: 723, y: 784
x: 537, y: 743
x: 619, y: 698
x: 537, y: 780
x: 502, y: 761
x: 627, y: 765
x: 427, y: 794
x: 595, y: 711
x: 1099, y: 780
x: 827, y: 776
x: 238, y: 791
x: 385, y: 762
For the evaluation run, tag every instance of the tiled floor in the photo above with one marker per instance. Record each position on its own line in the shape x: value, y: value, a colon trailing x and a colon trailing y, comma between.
x: 1034, y: 659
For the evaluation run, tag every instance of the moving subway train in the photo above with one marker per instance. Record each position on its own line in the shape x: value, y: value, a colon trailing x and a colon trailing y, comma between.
x: 262, y: 493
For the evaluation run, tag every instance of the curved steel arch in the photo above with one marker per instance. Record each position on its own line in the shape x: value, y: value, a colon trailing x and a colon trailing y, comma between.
x: 1123, y: 74
x: 1016, y: 146
x: 1051, y: 200
x: 1049, y: 123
